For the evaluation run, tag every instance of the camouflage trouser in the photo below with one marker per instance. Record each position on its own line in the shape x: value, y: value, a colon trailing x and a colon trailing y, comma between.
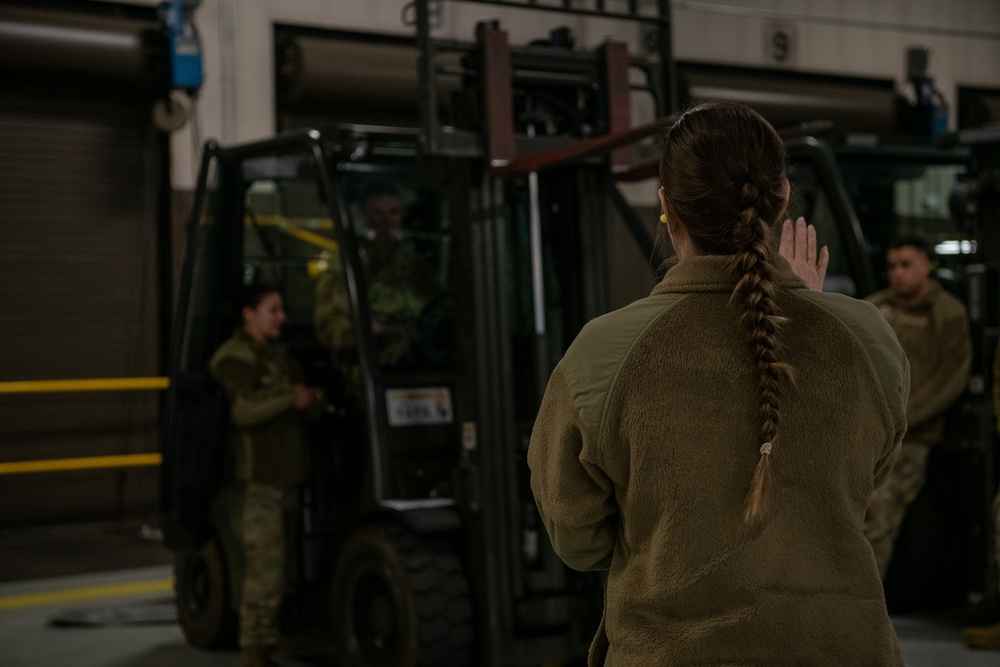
x: 263, y: 533
x: 996, y: 534
x: 890, y: 501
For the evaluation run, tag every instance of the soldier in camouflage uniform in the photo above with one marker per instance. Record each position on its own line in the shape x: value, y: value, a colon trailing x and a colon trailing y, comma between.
x: 400, y: 285
x: 988, y: 637
x: 933, y: 328
x: 267, y: 399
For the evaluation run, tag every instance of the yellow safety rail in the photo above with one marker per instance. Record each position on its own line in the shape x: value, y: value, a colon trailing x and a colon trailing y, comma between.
x: 288, y: 225
x: 92, y: 384
x: 88, y: 462
x: 82, y: 463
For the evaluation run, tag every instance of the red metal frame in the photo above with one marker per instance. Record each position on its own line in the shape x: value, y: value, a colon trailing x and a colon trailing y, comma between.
x: 498, y: 98
x: 501, y: 145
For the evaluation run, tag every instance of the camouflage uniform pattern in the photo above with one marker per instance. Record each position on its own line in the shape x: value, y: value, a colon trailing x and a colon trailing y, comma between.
x: 268, y: 456
x: 888, y: 505
x: 265, y: 519
x: 996, y: 415
x: 934, y: 333
x: 996, y: 526
x: 400, y: 284
x: 267, y: 441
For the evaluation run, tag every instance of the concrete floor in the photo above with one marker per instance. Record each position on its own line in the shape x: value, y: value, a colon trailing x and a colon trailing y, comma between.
x: 131, y: 629
x: 130, y: 619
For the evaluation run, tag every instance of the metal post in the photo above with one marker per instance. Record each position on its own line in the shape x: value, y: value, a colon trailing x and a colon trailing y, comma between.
x: 668, y: 71
x: 538, y: 283
x: 498, y: 97
x: 619, y: 100
x: 428, y: 99
x: 537, y: 277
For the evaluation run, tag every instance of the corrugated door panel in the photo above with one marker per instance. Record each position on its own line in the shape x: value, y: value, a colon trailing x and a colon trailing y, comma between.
x: 79, y: 181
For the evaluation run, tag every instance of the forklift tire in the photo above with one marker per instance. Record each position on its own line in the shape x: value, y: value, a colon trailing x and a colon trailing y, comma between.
x: 400, y: 600
x: 203, y: 609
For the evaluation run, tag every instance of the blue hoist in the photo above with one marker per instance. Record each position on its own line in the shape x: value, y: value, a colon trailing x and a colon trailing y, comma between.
x: 177, y: 16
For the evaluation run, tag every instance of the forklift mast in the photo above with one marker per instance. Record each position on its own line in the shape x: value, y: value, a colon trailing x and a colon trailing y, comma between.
x: 527, y: 98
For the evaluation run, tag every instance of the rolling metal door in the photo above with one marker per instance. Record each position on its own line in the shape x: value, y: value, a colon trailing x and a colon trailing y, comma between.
x: 80, y: 178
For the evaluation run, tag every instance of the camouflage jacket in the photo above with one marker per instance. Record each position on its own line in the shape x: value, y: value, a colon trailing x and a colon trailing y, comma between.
x: 267, y: 434
x: 934, y: 333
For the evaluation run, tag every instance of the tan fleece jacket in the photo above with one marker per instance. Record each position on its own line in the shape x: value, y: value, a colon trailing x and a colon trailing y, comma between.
x: 934, y: 333
x: 643, y: 451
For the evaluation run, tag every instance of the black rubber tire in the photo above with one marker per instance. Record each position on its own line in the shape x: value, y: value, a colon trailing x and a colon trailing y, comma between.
x: 400, y: 601
x: 203, y: 602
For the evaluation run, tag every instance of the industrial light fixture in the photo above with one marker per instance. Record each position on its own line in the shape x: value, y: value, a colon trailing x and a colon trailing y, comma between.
x: 955, y: 248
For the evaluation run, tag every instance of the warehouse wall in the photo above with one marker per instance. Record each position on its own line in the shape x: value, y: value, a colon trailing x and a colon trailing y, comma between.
x: 848, y: 37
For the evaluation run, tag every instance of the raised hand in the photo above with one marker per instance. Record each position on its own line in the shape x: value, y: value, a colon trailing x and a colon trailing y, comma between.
x: 798, y: 246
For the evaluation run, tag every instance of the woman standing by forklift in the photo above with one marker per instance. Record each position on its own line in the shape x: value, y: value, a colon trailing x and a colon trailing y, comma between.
x: 715, y: 445
x: 266, y: 398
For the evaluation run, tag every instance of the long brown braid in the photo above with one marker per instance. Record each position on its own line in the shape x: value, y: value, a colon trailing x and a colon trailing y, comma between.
x: 723, y: 176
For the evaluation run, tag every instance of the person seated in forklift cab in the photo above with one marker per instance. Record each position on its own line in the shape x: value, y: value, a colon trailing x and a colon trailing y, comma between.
x: 714, y: 445
x: 400, y: 285
x: 267, y: 400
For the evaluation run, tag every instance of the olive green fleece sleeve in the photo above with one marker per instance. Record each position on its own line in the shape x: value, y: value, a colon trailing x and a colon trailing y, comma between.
x: 893, y: 370
x: 888, y: 361
x: 951, y: 375
x: 574, y: 496
x: 897, y: 392
x: 250, y: 406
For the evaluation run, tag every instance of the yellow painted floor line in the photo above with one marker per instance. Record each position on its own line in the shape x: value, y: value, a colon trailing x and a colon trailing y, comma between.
x: 90, y: 593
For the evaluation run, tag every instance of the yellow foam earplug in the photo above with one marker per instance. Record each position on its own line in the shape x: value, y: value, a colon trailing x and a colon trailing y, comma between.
x: 663, y: 218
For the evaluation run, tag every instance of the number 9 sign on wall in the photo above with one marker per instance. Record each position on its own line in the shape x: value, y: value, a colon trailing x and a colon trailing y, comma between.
x: 781, y: 44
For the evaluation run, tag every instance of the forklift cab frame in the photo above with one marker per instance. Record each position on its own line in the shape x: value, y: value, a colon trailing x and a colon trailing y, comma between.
x: 419, y: 462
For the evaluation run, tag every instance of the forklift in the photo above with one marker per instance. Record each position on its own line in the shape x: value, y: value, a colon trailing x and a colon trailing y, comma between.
x: 419, y: 542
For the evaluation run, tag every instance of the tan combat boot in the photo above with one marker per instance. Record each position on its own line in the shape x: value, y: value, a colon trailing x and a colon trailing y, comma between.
x: 985, y: 637
x: 258, y: 656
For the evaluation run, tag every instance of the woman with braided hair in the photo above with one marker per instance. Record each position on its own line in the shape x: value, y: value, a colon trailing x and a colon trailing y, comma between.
x: 714, y: 445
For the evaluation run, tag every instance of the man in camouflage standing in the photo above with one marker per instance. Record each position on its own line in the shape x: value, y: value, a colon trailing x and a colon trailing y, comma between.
x: 933, y: 328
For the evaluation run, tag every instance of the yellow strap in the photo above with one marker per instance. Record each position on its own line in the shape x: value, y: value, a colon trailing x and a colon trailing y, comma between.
x: 83, y: 463
x: 94, y: 384
x: 292, y: 228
